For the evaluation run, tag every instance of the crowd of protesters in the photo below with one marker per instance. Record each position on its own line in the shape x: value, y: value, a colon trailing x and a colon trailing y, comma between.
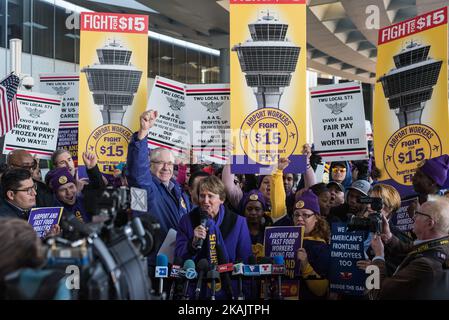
x: 239, y: 208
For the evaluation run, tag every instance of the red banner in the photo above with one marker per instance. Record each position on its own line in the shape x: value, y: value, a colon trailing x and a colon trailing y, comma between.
x: 421, y: 23
x: 112, y: 22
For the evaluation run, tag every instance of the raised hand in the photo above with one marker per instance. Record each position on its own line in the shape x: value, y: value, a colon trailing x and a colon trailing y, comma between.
x: 90, y: 159
x: 283, y: 163
x: 147, y: 120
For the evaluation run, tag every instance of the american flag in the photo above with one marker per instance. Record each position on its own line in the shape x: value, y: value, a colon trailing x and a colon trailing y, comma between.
x: 9, y: 112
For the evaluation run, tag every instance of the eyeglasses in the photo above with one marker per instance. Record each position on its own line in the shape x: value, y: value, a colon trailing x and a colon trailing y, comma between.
x: 305, y: 216
x: 29, y: 190
x: 423, y: 214
x: 338, y: 170
x: 163, y: 163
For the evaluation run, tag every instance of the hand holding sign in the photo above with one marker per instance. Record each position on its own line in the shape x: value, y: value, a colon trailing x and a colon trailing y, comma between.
x: 283, y: 163
x: 302, y: 256
x: 377, y: 246
x: 147, y: 120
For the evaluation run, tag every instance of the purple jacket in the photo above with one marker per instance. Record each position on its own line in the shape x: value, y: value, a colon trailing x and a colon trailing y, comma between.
x: 235, y: 243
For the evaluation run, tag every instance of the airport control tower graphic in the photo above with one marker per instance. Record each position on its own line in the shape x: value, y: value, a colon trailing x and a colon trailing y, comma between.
x: 268, y: 59
x: 410, y: 85
x: 113, y: 82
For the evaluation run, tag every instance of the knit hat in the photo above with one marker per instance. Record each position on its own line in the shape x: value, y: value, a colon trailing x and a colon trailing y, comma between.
x: 254, y: 195
x: 436, y: 169
x: 308, y: 200
x: 59, y: 177
x: 362, y: 186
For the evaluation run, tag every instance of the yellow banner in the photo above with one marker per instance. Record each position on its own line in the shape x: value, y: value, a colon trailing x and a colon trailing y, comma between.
x: 113, y: 84
x: 411, y: 99
x: 268, y: 84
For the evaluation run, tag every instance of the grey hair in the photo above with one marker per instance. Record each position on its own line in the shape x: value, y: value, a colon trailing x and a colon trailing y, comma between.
x: 56, y: 154
x: 155, y: 153
x: 440, y: 212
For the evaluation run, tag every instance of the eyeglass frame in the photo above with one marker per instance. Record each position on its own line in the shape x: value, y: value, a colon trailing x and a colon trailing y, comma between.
x: 171, y: 164
x: 423, y: 214
x: 30, y: 167
x: 305, y: 216
x: 27, y: 190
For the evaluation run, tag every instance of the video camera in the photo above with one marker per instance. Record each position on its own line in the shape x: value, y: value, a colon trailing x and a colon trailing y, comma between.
x: 111, y: 252
x: 372, y: 223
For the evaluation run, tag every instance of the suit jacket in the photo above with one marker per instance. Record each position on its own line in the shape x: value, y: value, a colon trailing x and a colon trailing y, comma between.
x: 421, y: 275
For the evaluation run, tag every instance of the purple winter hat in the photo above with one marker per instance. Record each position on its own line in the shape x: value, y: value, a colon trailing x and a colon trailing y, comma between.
x: 59, y: 177
x: 308, y: 200
x: 436, y: 169
x: 253, y: 195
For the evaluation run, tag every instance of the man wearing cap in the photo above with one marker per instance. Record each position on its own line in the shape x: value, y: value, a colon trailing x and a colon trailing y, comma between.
x: 20, y: 158
x: 352, y: 206
x: 63, y: 184
x: 337, y: 192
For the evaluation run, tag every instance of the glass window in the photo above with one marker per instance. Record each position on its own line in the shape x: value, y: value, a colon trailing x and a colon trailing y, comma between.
x: 2, y: 24
x: 166, y: 59
x: 179, y: 64
x: 64, y: 37
x: 19, y: 12
x: 42, y: 26
x: 193, y: 71
x: 153, y: 55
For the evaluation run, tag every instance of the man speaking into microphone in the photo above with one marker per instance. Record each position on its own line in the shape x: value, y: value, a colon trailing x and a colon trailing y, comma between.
x: 211, y: 225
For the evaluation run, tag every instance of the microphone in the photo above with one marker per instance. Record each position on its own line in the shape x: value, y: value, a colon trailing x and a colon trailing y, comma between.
x: 213, y: 276
x: 252, y: 270
x: 265, y: 270
x: 161, y: 272
x: 202, y: 267
x: 238, y: 272
x: 279, y: 270
x: 190, y: 274
x: 175, y: 275
x: 225, y: 267
x: 203, y: 221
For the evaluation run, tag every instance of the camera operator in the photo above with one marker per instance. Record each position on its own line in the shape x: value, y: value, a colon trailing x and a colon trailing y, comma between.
x: 423, y: 273
x: 64, y: 186
x: 21, y: 256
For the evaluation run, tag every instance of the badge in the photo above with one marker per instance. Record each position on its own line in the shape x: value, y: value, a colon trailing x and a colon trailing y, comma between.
x: 62, y: 180
x: 299, y: 204
x: 254, y: 197
x: 183, y: 204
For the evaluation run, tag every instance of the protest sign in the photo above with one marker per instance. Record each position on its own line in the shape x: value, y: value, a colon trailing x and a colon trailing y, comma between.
x: 401, y: 219
x: 285, y: 241
x: 66, y: 86
x: 410, y: 111
x: 113, y: 84
x: 42, y: 219
x: 207, y: 117
x: 170, y: 128
x: 346, y: 249
x: 37, y: 129
x: 268, y: 84
x: 338, y: 121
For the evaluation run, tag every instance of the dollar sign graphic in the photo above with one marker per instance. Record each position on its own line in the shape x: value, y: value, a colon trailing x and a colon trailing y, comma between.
x: 421, y: 23
x: 103, y: 150
x: 401, y: 157
x: 257, y: 137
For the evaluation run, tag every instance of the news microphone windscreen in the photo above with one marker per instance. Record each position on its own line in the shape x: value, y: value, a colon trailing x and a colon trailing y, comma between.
x: 203, y: 265
x: 177, y: 261
x: 278, y: 259
x: 161, y: 260
x: 252, y: 260
x: 188, y: 264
